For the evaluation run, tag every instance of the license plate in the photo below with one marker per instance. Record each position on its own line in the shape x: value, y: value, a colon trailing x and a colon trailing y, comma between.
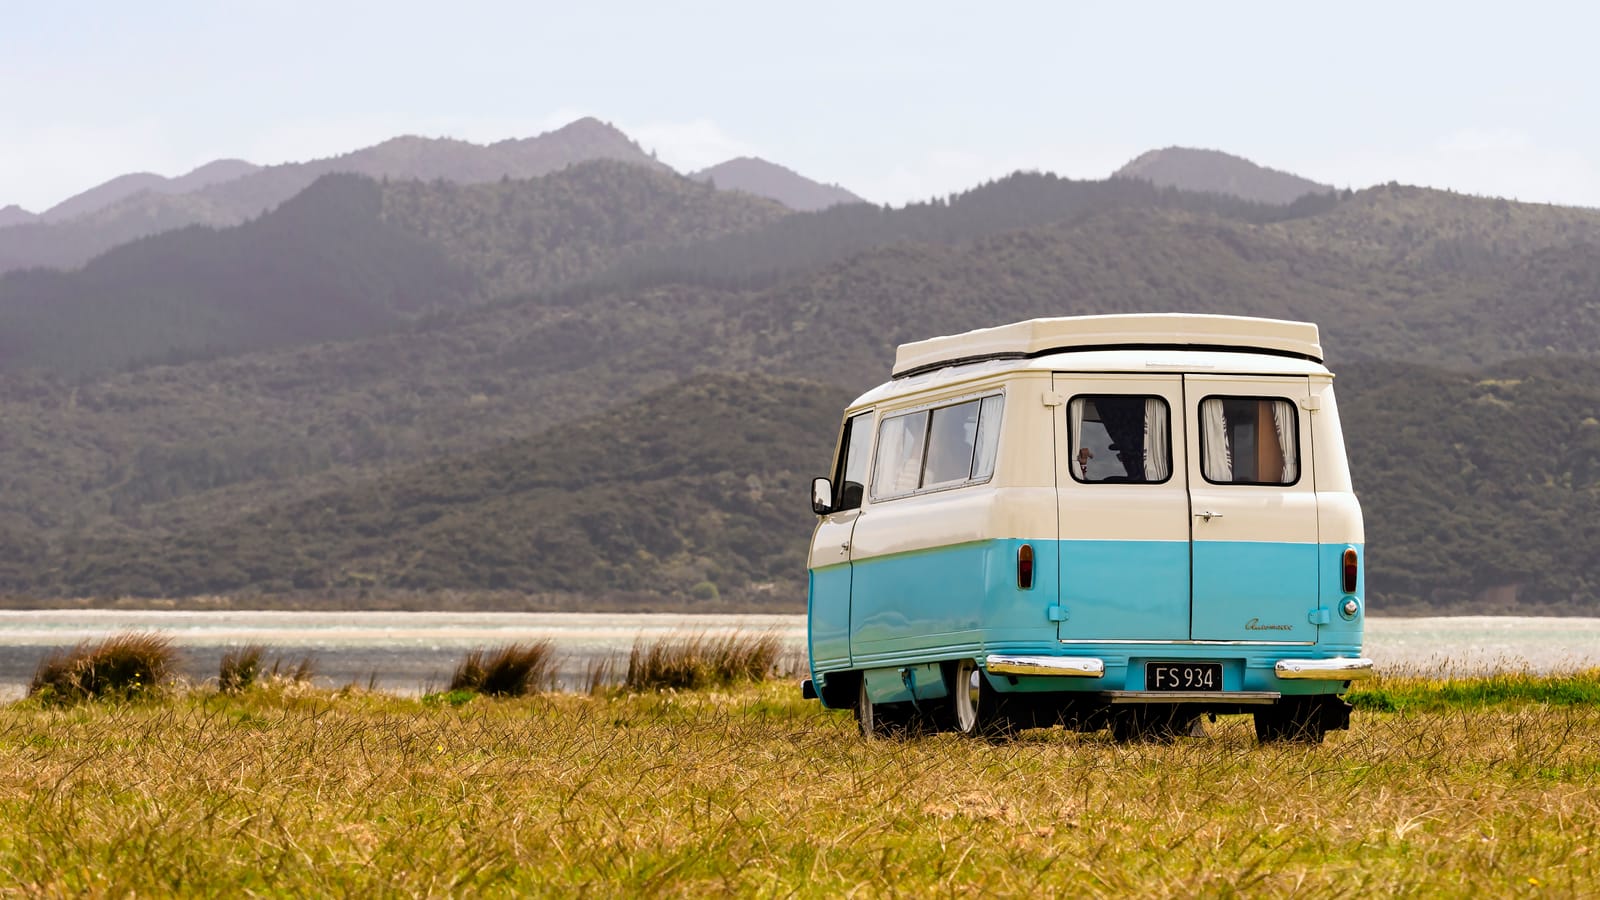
x: 1168, y: 676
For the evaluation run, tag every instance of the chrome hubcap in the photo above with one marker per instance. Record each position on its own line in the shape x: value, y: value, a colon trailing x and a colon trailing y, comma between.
x: 967, y: 694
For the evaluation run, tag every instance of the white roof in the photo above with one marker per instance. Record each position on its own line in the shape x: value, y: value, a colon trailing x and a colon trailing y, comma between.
x: 1150, y: 361
x: 1035, y: 337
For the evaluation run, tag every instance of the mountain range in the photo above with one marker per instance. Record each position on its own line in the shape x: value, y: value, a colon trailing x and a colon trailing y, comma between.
x: 229, y: 192
x: 612, y: 381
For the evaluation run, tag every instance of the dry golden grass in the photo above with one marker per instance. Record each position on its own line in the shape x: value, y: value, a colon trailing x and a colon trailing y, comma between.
x: 122, y: 665
x: 696, y: 660
x: 513, y: 670
x: 239, y: 669
x: 753, y: 791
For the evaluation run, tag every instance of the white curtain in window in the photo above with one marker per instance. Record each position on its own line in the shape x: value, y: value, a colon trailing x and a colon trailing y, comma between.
x: 1283, y: 420
x: 1075, y: 419
x: 1218, y: 460
x: 988, y: 437
x: 1156, y: 464
x: 891, y: 444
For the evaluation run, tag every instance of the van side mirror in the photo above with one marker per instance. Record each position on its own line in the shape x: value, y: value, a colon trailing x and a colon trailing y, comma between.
x: 821, y: 496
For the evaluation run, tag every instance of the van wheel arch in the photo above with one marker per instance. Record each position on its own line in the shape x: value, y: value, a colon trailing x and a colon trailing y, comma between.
x: 838, y: 690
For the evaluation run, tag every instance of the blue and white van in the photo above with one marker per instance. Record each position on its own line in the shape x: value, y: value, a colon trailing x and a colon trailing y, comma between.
x: 1101, y: 521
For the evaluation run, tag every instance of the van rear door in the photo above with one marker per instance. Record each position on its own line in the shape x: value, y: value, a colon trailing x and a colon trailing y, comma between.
x: 1254, y: 515
x: 1122, y: 508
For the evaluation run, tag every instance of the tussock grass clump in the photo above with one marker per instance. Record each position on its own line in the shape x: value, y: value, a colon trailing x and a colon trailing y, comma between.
x: 513, y: 670
x: 600, y: 675
x: 284, y: 672
x: 690, y: 661
x: 120, y: 667
x: 240, y: 668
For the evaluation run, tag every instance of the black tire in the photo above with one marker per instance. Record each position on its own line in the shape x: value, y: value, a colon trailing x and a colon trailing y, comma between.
x: 975, y: 708
x: 967, y: 696
x: 1154, y: 724
x: 1301, y: 720
x: 878, y: 720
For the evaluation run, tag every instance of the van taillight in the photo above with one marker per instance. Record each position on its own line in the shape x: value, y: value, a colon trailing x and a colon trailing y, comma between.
x: 1350, y: 571
x: 1025, y: 566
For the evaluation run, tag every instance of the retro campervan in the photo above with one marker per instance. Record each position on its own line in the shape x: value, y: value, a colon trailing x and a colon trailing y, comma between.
x: 1103, y: 521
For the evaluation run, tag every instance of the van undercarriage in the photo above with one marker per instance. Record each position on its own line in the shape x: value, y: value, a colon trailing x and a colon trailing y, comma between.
x: 1012, y: 692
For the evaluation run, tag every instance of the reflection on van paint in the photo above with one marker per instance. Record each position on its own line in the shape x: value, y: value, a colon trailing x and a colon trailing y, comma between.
x: 1180, y: 520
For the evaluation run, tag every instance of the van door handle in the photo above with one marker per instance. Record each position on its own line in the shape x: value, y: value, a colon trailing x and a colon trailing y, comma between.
x: 844, y: 548
x: 1208, y: 515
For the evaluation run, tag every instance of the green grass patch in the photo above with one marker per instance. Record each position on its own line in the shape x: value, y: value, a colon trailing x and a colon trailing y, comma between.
x: 1411, y: 693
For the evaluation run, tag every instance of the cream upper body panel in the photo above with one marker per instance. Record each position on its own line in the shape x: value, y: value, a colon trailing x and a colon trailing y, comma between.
x: 1017, y: 501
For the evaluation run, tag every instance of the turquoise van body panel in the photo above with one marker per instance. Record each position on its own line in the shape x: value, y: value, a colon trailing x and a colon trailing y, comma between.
x: 1113, y: 590
x: 913, y: 684
x: 921, y: 600
x: 1341, y: 631
x: 828, y: 618
x: 942, y: 604
x: 930, y: 605
x: 1010, y: 614
x: 1255, y: 591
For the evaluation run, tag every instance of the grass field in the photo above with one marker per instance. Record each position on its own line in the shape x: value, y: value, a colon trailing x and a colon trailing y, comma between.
x: 1439, y: 788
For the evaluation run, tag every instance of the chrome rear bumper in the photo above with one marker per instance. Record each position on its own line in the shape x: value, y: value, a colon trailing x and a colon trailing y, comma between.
x: 1340, y: 669
x: 1072, y: 666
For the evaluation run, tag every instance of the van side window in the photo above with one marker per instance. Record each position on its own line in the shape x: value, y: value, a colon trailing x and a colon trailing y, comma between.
x: 849, y: 482
x: 1249, y: 440
x: 1119, y: 439
x: 900, y: 442
x: 943, y: 447
x: 952, y: 435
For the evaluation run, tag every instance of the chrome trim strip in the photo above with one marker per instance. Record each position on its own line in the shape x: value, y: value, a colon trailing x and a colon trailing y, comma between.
x: 1338, y: 669
x: 1197, y: 643
x: 1079, y: 666
x: 1239, y: 697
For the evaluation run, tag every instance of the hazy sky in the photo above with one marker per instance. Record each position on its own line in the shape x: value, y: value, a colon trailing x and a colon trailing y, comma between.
x: 895, y: 101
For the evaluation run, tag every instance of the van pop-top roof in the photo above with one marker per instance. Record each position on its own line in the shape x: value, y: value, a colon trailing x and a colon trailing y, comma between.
x: 1037, y: 337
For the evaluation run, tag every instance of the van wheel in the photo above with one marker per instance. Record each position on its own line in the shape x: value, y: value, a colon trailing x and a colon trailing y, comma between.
x: 1296, y: 721
x: 1155, y: 724
x: 975, y: 706
x: 967, y: 687
x: 877, y: 720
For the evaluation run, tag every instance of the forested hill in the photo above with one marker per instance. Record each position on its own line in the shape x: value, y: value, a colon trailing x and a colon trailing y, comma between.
x: 765, y: 179
x: 124, y: 186
x: 697, y: 491
x: 323, y: 266
x: 1212, y: 171
x: 346, y: 258
x: 558, y: 302
x: 690, y: 490
x: 807, y: 242
x: 15, y: 215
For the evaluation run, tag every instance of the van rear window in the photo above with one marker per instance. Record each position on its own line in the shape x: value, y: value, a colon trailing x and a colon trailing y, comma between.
x: 1249, y: 440
x: 947, y: 446
x: 1120, y: 439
